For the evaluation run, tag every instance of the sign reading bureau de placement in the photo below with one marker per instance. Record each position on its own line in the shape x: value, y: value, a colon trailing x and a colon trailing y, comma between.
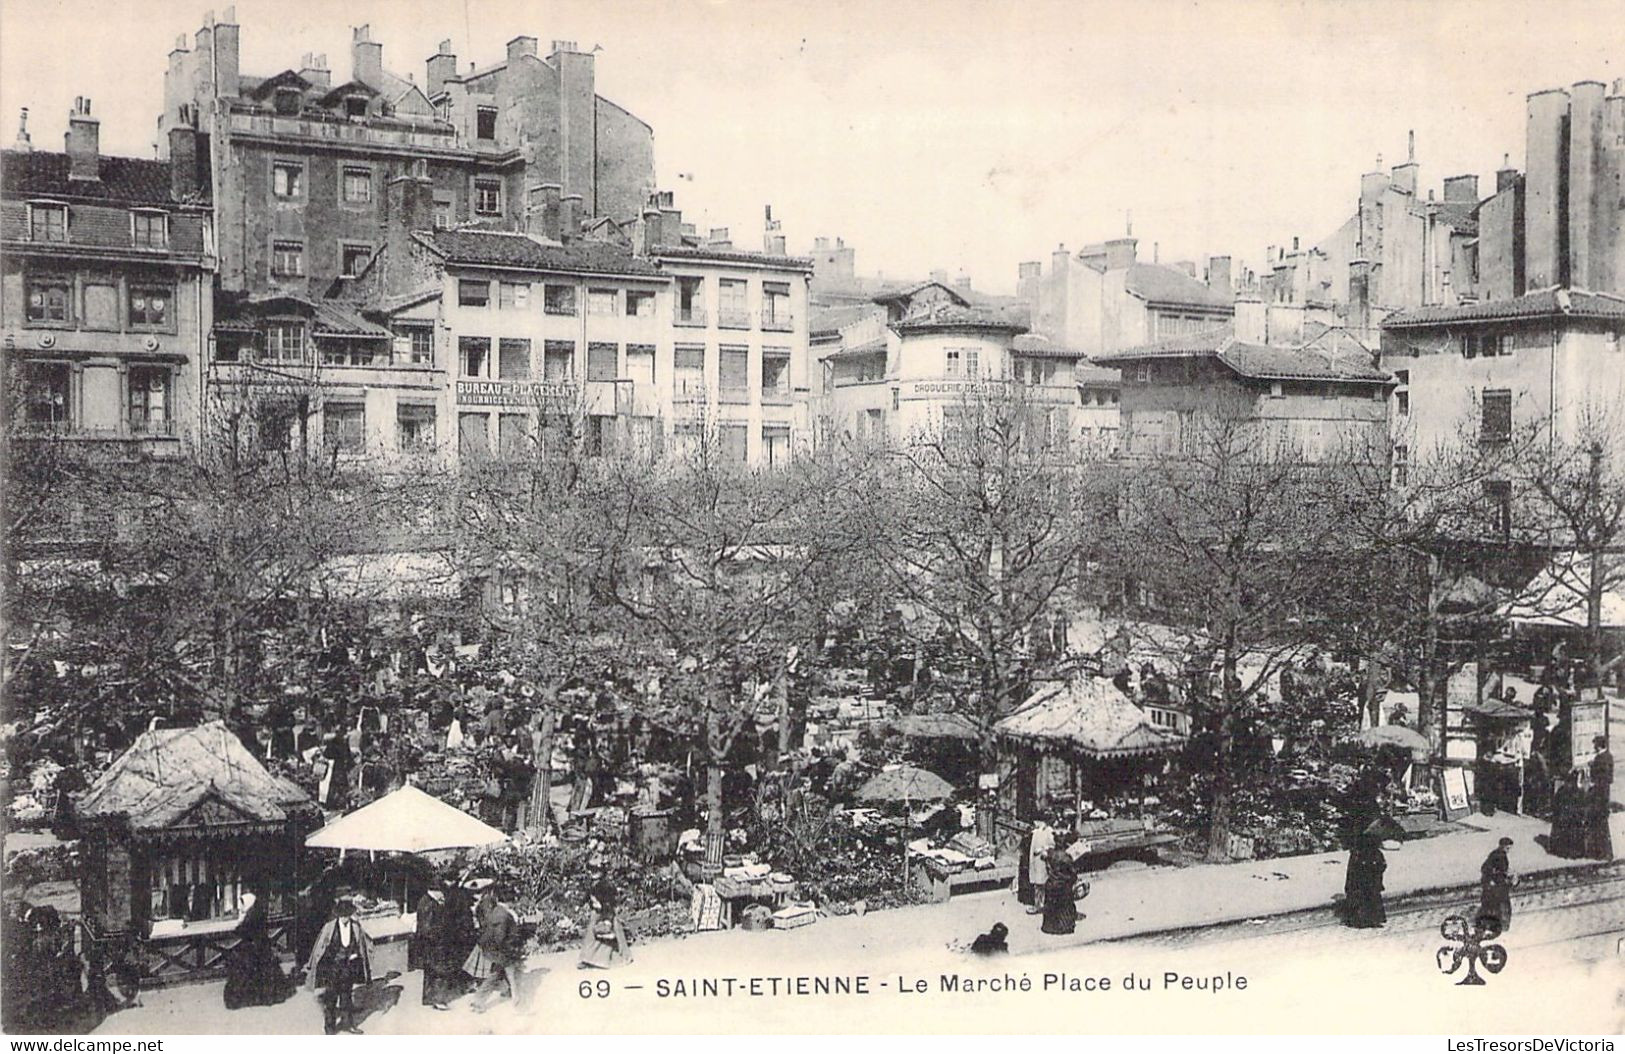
x: 510, y: 393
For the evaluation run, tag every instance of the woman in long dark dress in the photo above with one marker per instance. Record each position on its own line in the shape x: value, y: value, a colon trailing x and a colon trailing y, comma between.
x: 254, y: 975
x: 1362, y: 888
x: 436, y: 950
x: 1568, y: 837
x: 1060, y: 910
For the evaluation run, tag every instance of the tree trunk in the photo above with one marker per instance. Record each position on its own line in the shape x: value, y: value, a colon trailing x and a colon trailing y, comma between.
x: 541, y: 792
x: 715, y: 830
x: 1218, y: 837
x: 783, y: 712
x: 1428, y: 708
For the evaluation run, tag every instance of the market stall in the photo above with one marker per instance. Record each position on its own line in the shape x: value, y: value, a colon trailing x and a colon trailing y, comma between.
x: 1069, y: 748
x: 173, y: 835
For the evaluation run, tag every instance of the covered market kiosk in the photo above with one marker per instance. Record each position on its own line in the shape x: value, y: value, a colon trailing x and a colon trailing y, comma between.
x: 172, y: 836
x: 1070, y: 752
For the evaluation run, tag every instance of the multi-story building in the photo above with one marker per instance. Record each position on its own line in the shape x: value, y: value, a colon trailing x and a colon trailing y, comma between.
x: 1104, y: 299
x: 907, y: 371
x: 299, y: 164
x: 480, y: 339
x: 105, y: 298
x: 1314, y: 398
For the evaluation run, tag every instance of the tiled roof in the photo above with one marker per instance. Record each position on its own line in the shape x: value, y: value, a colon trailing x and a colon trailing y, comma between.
x: 1159, y: 284
x: 1546, y: 303
x: 834, y: 319
x: 909, y: 292
x: 1458, y: 214
x: 1204, y: 342
x: 1035, y: 346
x: 395, y: 303
x: 700, y: 252
x: 952, y: 316
x: 1087, y: 373
x: 859, y: 351
x: 506, y: 249
x: 1266, y: 362
x: 342, y: 320
x: 129, y: 180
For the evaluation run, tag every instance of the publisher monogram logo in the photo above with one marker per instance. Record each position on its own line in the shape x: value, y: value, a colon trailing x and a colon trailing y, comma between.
x: 1471, y: 944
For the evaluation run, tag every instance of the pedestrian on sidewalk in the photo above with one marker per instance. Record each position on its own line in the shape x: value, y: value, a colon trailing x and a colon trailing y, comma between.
x: 605, y: 943
x: 1039, y: 844
x: 1495, y: 888
x: 1568, y: 835
x: 496, y: 959
x: 436, y: 948
x: 1060, y: 875
x: 1362, y: 887
x: 340, y: 960
x: 1599, y: 843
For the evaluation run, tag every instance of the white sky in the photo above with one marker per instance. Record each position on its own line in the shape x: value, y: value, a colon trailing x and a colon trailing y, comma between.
x: 946, y: 134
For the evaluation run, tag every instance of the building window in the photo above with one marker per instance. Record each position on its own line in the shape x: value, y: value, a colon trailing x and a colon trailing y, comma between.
x: 775, y: 374
x: 276, y: 423
x: 558, y: 361
x: 287, y: 179
x: 733, y: 373
x: 776, y: 306
x: 347, y: 353
x: 559, y: 299
x: 690, y: 302
x: 357, y: 185
x: 48, y: 299
x: 600, y: 301
x: 353, y: 259
x: 101, y: 306
x: 513, y: 296
x: 47, y: 398
x: 951, y: 362
x: 640, y: 303
x: 1402, y: 466
x: 485, y: 122
x: 688, y: 369
x: 284, y: 342
x: 288, y: 259
x: 149, y: 230
x: 287, y: 101
x: 775, y: 444
x: 149, y: 390
x: 414, y: 427
x: 487, y: 197
x: 442, y: 212
x: 149, y: 307
x: 513, y: 434
x: 474, y: 436
x: 1498, y: 495
x: 472, y: 353
x: 414, y: 345
x: 48, y: 223
x: 896, y: 398
x: 602, y: 361
x: 1495, y: 422
x: 473, y: 294
x: 344, y: 427
x: 1402, y: 403
x: 731, y: 310
x: 640, y: 363
x: 355, y: 106
x: 1277, y: 391
x: 513, y: 360
x: 735, y: 443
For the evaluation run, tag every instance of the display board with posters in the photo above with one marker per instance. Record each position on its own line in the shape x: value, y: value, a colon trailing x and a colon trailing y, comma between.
x: 1455, y: 795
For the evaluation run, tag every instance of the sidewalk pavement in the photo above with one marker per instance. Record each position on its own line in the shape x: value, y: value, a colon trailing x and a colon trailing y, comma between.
x: 1122, y: 903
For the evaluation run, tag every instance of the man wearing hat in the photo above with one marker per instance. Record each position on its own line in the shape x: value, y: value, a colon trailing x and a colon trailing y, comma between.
x: 1599, y: 841
x: 340, y: 959
x: 1495, y: 887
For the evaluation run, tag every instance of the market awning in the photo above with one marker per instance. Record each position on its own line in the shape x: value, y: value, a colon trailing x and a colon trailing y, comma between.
x: 406, y: 821
x: 936, y: 726
x: 1557, y: 595
x: 1088, y: 715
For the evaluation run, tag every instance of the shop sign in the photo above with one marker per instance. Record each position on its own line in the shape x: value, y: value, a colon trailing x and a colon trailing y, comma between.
x: 509, y: 393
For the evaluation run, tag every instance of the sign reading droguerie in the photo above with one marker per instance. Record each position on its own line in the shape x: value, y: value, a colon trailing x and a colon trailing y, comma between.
x: 509, y: 393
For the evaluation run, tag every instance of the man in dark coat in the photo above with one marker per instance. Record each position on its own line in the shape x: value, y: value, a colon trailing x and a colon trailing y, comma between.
x: 1362, y: 887
x: 340, y: 960
x: 1495, y: 887
x: 1599, y: 841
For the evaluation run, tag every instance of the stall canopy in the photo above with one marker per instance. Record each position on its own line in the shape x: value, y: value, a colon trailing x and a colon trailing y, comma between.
x: 1557, y: 595
x: 936, y: 726
x: 200, y: 777
x: 1088, y: 715
x: 406, y: 821
x: 905, y: 783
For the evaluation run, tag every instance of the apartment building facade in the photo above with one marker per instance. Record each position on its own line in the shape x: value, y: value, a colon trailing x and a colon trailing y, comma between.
x: 105, y: 294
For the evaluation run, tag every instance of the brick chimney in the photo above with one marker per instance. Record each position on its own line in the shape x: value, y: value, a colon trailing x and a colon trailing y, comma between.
x: 83, y: 142
x: 1218, y: 274
x: 1461, y: 188
x: 409, y: 202
x: 227, y: 46
x: 521, y: 46
x: 366, y: 58
x: 314, y: 69
x: 654, y: 231
x: 23, y: 142
x: 441, y: 67
x: 1120, y: 253
x: 571, y: 214
x: 542, y: 211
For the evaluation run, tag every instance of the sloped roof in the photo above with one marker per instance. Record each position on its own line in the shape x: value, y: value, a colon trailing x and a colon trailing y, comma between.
x: 1160, y: 284
x: 509, y: 249
x: 1204, y: 342
x: 909, y: 292
x: 1461, y: 215
x: 833, y: 319
x: 263, y: 88
x: 127, y: 180
x: 1037, y: 346
x: 340, y: 320
x: 168, y: 772
x: 1545, y: 303
x: 955, y: 316
x: 936, y: 726
x: 868, y: 349
x: 1275, y: 363
x: 700, y: 252
x: 337, y: 95
x: 1088, y: 373
x: 1088, y: 715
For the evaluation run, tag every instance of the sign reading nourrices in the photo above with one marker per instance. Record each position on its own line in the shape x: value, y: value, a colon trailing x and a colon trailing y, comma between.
x: 510, y: 393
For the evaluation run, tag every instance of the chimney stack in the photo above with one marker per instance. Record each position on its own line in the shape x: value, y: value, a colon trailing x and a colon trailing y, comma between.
x: 1506, y: 177
x: 314, y: 69
x: 654, y: 235
x: 184, y: 179
x: 1058, y: 259
x: 1218, y: 273
x: 366, y: 58
x: 718, y: 239
x: 542, y: 211
x: 83, y: 142
x: 1120, y: 254
x: 409, y: 201
x: 227, y: 78
x: 1360, y: 294
x: 571, y: 214
x: 440, y: 68
x: 519, y: 47
x: 1251, y: 319
x: 1461, y: 188
x: 23, y: 142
